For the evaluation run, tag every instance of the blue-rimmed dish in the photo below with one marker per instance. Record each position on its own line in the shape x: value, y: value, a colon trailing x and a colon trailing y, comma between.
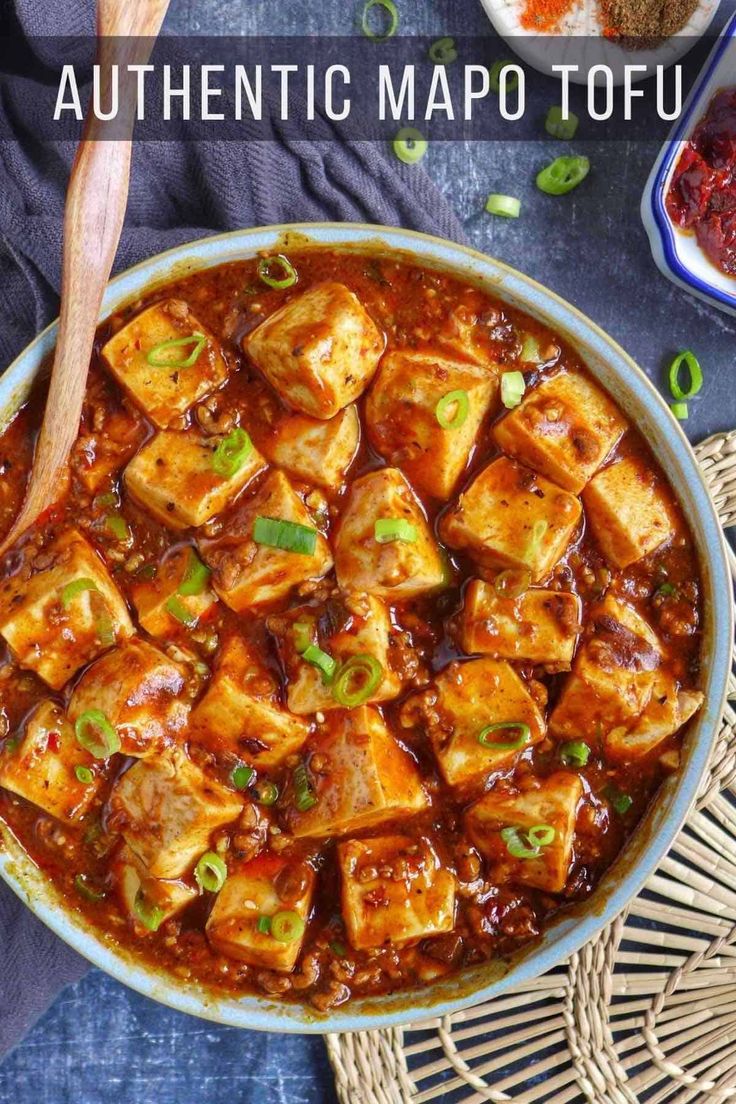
x: 676, y: 252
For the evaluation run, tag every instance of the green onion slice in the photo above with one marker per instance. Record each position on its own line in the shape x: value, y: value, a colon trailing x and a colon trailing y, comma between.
x: 242, y: 776
x: 391, y: 20
x: 518, y: 845
x: 231, y: 453
x: 118, y: 526
x: 513, y: 582
x: 84, y: 775
x: 495, y: 72
x: 264, y: 924
x: 620, y: 801
x: 530, y: 351
x: 266, y: 793
x: 695, y: 372
x: 575, y: 753
x: 512, y: 389
x: 75, y: 588
x: 290, y: 536
x: 304, y: 797
x: 82, y: 886
x: 410, y: 145
x: 564, y: 174
x: 443, y: 51
x: 339, y: 949
x: 452, y: 409
x: 180, y: 613
x: 150, y: 916
x: 210, y: 873
x: 196, y: 577
x: 505, y: 205
x: 357, y: 680
x: 322, y: 660
x: 277, y: 272
x: 287, y: 926
x: 96, y: 735
x: 514, y: 744
x: 557, y: 127
x: 541, y: 835
x: 157, y: 357
x: 666, y: 590
x: 301, y: 633
x: 680, y: 411
x: 387, y: 530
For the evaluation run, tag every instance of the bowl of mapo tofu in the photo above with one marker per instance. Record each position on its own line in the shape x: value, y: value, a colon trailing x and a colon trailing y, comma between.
x: 373, y: 657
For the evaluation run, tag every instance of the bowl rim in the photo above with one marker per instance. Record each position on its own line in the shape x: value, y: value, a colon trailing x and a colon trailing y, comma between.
x: 663, y: 235
x: 255, y: 1011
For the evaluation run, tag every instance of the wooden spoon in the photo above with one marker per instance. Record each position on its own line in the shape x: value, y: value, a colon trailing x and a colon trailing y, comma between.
x: 93, y: 220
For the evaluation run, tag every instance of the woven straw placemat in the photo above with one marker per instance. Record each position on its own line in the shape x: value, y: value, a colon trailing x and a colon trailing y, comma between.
x: 644, y: 1012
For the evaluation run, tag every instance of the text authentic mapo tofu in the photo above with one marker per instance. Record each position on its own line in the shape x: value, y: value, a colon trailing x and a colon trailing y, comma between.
x: 361, y: 641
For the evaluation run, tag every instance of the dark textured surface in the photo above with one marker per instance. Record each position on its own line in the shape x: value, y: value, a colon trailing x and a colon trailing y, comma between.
x: 101, y: 1042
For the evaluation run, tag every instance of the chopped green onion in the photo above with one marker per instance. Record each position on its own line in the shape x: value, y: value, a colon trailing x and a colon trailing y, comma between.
x: 76, y: 587
x: 505, y: 205
x: 518, y: 845
x: 150, y: 916
x: 452, y: 409
x: 82, y: 886
x: 539, y: 528
x: 338, y: 948
x: 575, y: 753
x: 242, y: 776
x: 266, y: 793
x: 541, y: 835
x: 104, y: 628
x: 301, y: 633
x: 196, y: 577
x: 304, y: 797
x: 287, y: 926
x: 564, y: 174
x: 496, y: 71
x: 513, y: 582
x: 517, y: 742
x: 680, y: 411
x: 210, y: 873
x: 392, y: 16
x: 84, y: 775
x: 530, y: 351
x: 512, y: 389
x: 443, y: 51
x: 666, y: 590
x: 363, y: 670
x: 326, y: 664
x: 109, y: 498
x: 180, y: 613
x: 118, y: 526
x: 96, y: 735
x: 410, y: 145
x: 290, y: 536
x: 387, y: 530
x: 155, y: 358
x: 695, y: 372
x: 620, y: 801
x: 266, y: 267
x: 11, y: 745
x: 232, y: 452
x: 264, y: 924
x: 557, y: 127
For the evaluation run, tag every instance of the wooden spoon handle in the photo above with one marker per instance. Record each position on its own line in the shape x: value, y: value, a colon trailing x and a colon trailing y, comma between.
x: 93, y: 220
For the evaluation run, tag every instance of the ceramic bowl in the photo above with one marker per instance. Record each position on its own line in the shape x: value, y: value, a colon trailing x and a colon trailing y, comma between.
x: 616, y: 372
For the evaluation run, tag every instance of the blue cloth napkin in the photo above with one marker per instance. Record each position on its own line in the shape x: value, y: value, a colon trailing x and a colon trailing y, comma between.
x: 179, y: 191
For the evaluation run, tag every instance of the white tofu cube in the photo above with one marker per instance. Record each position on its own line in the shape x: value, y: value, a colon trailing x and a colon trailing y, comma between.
x: 247, y: 575
x: 357, y: 625
x: 539, y: 626
x: 629, y: 511
x: 167, y: 810
x: 141, y: 894
x: 154, y: 600
x: 99, y: 455
x: 364, y: 778
x: 667, y: 710
x: 241, y: 713
x: 511, y: 517
x: 175, y: 478
x: 408, y: 897
x: 552, y: 803
x: 612, y: 674
x: 166, y: 389
x: 319, y: 351
x: 314, y: 451
x: 404, y: 424
x: 140, y: 691
x: 457, y: 709
x: 564, y: 429
x: 67, y: 613
x: 398, y: 569
x: 264, y: 887
x: 41, y: 766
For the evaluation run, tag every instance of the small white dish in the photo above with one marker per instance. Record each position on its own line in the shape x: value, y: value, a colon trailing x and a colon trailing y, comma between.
x: 676, y: 252
x: 541, y: 50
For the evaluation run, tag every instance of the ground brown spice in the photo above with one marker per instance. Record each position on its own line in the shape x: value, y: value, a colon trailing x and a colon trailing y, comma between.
x: 643, y: 23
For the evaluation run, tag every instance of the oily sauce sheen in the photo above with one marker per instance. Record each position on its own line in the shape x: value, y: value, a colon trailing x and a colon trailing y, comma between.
x: 446, y: 890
